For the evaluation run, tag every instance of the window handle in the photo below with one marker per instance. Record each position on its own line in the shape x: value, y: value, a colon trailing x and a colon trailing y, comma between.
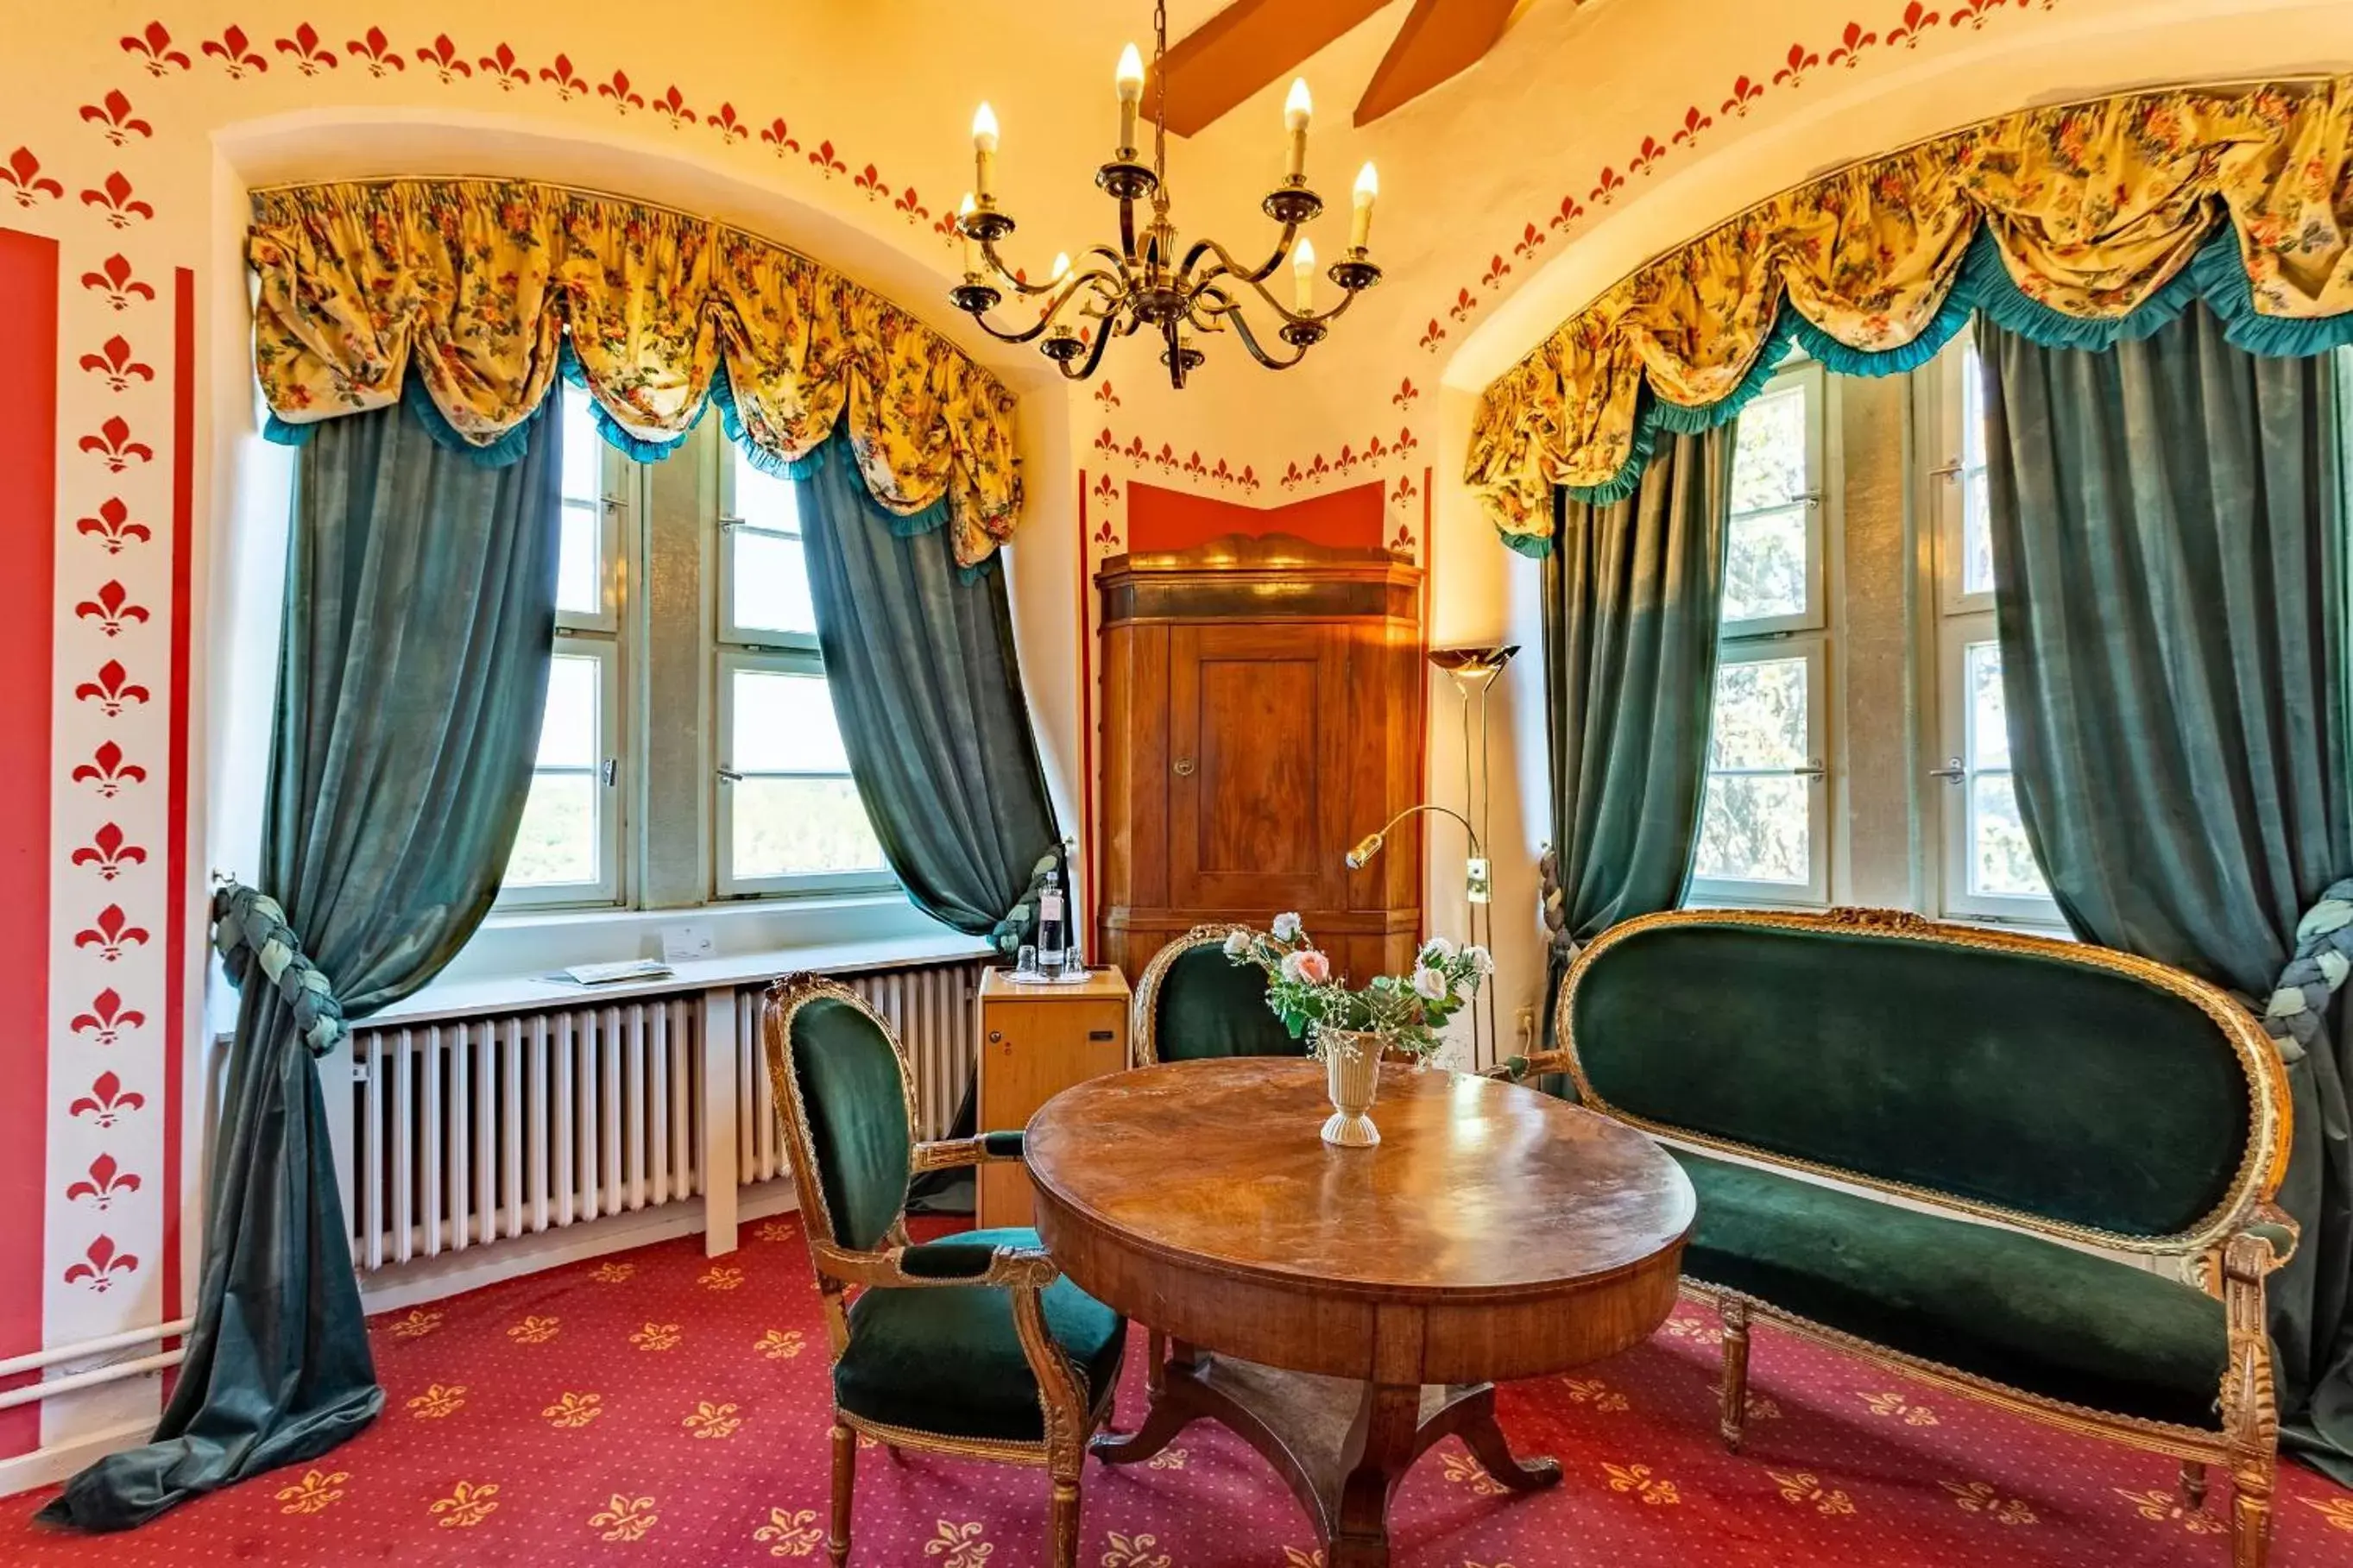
x: 1805, y: 498
x: 729, y: 775
x: 1952, y: 772
x: 611, y: 771
x: 1946, y: 471
x: 1812, y: 769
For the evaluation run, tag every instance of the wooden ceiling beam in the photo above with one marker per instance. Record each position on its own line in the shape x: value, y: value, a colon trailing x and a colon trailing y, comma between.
x: 1440, y: 39
x: 1247, y: 46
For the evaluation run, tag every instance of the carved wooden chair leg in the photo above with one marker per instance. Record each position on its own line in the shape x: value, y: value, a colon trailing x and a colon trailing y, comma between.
x: 1733, y: 1419
x: 2251, y: 1513
x: 845, y: 1475
x: 2193, y: 1485
x: 1063, y: 1523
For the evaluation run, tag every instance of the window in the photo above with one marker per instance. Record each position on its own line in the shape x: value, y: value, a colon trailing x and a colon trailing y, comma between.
x: 568, y: 850
x: 615, y: 817
x: 1985, y: 869
x: 1765, y: 827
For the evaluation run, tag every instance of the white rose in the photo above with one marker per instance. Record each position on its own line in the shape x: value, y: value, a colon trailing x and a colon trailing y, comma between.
x: 1287, y: 927
x: 1238, y: 944
x: 1430, y: 984
x: 1436, y: 950
x: 1482, y: 961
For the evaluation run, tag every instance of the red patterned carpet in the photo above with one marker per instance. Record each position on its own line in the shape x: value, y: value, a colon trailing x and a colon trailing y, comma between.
x: 656, y: 1408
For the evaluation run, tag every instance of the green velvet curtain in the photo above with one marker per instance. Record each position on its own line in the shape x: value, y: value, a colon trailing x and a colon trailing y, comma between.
x: 420, y: 613
x: 919, y: 657
x: 1631, y: 611
x: 2169, y: 569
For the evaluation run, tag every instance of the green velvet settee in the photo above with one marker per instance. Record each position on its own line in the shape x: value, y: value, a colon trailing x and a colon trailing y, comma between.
x: 2067, y: 1094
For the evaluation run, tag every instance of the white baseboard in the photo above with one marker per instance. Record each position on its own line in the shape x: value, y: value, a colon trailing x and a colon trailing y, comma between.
x: 47, y: 1465
x: 406, y: 1285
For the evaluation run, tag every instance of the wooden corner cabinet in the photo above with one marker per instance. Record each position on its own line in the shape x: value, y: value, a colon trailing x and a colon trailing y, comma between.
x: 1035, y: 1042
x: 1262, y: 709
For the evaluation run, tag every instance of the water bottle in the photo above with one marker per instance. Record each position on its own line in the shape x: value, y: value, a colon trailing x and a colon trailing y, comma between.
x: 1053, y: 930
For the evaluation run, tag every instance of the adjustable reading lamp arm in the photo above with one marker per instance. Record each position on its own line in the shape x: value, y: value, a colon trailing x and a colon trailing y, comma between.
x: 1370, y: 845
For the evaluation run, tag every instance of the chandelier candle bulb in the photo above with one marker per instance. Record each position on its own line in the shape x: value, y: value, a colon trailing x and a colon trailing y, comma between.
x: 984, y: 148
x: 1297, y: 110
x: 1302, y: 276
x: 1360, y: 229
x: 1130, y: 80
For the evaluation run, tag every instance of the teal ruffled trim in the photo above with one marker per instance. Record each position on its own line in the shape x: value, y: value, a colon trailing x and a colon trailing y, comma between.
x: 507, y: 450
x: 1987, y: 286
x: 2220, y: 272
x: 722, y: 393
x: 1840, y: 360
x: 1657, y: 416
x: 1534, y: 546
x: 567, y: 365
x: 278, y: 433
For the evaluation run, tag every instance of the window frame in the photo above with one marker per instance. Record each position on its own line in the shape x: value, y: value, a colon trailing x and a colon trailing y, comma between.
x: 1957, y: 619
x: 731, y: 526
x: 607, y: 889
x: 1813, y: 649
x: 730, y: 660
x: 1808, y: 377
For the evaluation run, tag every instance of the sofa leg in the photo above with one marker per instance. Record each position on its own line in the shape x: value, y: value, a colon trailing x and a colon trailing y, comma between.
x: 844, y: 1472
x: 2193, y: 1485
x: 1733, y: 1421
x: 2251, y: 1515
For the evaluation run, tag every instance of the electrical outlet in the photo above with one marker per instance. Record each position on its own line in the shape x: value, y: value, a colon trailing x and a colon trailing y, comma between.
x: 1525, y: 1030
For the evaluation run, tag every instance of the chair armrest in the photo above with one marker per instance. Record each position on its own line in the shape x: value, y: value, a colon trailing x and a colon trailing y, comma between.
x: 2266, y: 1241
x: 950, y: 1152
x: 948, y: 1261
x: 1517, y: 1069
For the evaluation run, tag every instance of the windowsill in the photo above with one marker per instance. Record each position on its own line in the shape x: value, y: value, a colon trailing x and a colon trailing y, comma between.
x: 511, y: 964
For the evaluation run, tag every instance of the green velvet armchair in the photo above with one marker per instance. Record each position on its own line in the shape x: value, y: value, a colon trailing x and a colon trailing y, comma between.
x: 973, y: 1345
x: 1193, y: 1002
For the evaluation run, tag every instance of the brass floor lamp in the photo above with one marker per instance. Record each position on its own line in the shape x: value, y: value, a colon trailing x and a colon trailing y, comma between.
x: 1473, y: 671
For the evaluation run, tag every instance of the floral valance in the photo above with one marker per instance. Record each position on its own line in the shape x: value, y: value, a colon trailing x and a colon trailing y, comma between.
x: 487, y: 290
x: 2077, y: 225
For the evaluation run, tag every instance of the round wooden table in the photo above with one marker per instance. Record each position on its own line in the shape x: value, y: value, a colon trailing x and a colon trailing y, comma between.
x: 1344, y: 1309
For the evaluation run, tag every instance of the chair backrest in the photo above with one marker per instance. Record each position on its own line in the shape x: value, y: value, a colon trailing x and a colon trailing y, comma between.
x: 2085, y: 1091
x: 1193, y: 1002
x: 846, y: 1100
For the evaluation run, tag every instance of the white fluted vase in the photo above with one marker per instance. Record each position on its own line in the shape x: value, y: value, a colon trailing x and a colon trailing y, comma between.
x: 1352, y: 1077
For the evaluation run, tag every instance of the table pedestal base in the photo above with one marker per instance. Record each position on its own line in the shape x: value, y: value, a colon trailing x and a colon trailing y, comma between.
x: 1341, y: 1446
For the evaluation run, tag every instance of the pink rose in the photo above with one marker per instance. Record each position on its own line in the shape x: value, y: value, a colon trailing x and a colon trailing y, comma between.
x: 1307, y: 966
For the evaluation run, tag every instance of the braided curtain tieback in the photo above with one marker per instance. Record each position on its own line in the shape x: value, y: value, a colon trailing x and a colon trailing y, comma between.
x: 2323, y: 955
x: 249, y: 926
x: 1552, y: 903
x: 1006, y: 934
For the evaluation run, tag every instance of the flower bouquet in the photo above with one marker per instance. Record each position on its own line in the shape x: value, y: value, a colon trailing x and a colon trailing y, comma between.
x: 1350, y: 1028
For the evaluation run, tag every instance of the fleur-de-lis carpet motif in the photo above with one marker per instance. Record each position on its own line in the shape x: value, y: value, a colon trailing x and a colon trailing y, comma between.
x: 665, y: 1424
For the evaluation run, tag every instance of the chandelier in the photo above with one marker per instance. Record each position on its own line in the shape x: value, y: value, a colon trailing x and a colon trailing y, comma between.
x: 1141, y: 284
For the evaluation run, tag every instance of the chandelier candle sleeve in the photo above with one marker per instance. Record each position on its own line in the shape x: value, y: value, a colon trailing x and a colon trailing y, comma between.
x: 1360, y: 230
x: 1296, y: 110
x: 1130, y: 80
x: 1302, y: 276
x: 984, y: 148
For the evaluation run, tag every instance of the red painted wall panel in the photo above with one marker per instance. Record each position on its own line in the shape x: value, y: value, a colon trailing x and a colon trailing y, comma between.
x: 28, y: 468
x: 1172, y: 520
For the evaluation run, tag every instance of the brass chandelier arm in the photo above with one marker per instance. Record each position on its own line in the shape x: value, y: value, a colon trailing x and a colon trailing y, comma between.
x: 1230, y: 306
x: 1250, y: 340
x: 1227, y: 265
x: 1052, y: 312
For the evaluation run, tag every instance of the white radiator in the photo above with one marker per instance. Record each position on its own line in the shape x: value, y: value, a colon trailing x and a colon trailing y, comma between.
x: 471, y: 1132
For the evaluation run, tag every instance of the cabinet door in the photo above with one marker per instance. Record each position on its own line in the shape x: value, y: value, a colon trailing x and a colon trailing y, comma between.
x: 1258, y: 795
x: 1030, y: 1052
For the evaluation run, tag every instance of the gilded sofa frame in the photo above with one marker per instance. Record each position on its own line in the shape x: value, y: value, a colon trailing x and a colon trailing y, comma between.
x: 1069, y: 1418
x: 2237, y: 1245
x: 1144, y: 1007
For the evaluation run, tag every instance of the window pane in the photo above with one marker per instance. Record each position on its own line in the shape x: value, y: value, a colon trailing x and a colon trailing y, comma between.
x: 2001, y: 861
x: 770, y: 582
x: 1756, y: 829
x: 584, y: 449
x: 1976, y: 522
x: 762, y: 499
x: 1768, y: 463
x: 1765, y: 565
x: 799, y: 826
x: 1988, y: 732
x: 1761, y: 715
x: 568, y: 726
x: 579, y: 578
x: 560, y: 834
x: 784, y: 723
